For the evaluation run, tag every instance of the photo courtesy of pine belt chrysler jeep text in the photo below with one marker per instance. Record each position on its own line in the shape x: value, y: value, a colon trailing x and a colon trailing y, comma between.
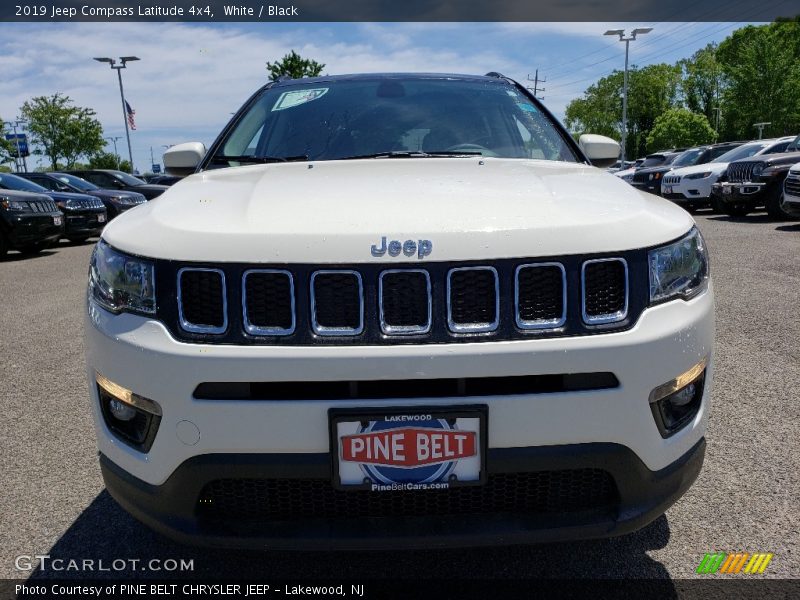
x: 399, y: 310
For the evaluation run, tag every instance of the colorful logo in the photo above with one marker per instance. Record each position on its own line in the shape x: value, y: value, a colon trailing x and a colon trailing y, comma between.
x: 426, y: 452
x: 736, y: 562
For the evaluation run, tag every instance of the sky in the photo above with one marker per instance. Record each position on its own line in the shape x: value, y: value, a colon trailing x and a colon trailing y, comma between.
x: 191, y: 77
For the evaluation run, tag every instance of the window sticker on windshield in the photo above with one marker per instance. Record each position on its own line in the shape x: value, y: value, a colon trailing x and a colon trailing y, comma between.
x: 295, y: 98
x: 527, y: 107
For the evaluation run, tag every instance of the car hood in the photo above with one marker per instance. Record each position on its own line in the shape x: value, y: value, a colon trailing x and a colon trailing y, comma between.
x: 625, y: 172
x: 26, y: 196
x: 785, y: 158
x: 334, y: 211
x: 716, y: 168
x: 114, y: 194
x: 153, y: 187
x: 61, y: 196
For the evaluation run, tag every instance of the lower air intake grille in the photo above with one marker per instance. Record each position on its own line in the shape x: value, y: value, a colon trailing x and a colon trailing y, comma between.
x: 201, y: 300
x: 605, y: 290
x: 548, y: 492
x: 337, y: 302
x: 405, y: 301
x: 792, y: 186
x: 541, y: 296
x: 269, y: 302
x: 473, y: 299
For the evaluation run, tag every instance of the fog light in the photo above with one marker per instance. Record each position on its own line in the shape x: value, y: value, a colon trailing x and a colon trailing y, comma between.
x: 133, y: 419
x: 121, y: 411
x: 675, y: 403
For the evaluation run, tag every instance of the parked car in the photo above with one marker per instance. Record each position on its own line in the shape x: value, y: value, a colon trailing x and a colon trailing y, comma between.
x: 162, y: 179
x: 84, y: 215
x: 627, y: 174
x: 648, y: 177
x: 754, y: 182
x: 110, y: 179
x: 399, y: 309
x: 115, y: 201
x: 690, y: 187
x: 29, y: 222
x: 621, y: 166
x: 791, y: 192
x: 651, y: 179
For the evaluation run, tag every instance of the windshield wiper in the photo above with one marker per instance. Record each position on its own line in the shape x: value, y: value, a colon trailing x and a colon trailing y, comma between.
x: 413, y: 154
x: 258, y: 159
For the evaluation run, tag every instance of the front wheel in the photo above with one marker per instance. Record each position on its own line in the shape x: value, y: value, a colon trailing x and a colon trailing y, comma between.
x: 35, y: 248
x: 717, y: 205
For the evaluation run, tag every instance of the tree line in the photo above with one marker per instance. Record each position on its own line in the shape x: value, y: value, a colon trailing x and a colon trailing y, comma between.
x: 717, y: 94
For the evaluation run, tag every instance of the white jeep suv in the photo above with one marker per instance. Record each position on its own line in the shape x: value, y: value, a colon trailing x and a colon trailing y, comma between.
x: 399, y: 310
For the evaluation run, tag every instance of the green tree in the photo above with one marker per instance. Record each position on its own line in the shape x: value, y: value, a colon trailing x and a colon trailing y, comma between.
x: 61, y: 129
x: 295, y: 66
x: 652, y: 90
x: 702, y: 82
x: 108, y: 160
x: 679, y: 127
x: 761, y: 66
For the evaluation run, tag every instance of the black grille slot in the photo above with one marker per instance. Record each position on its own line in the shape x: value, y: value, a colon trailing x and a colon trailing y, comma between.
x: 202, y: 300
x: 269, y: 302
x: 473, y: 299
x: 544, y: 492
x: 337, y: 303
x: 605, y: 290
x: 541, y: 298
x: 405, y: 301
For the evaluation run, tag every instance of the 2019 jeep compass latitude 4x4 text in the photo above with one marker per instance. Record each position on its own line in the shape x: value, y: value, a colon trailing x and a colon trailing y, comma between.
x: 400, y: 310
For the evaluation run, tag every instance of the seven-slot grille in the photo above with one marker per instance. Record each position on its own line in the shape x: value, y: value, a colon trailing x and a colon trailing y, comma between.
x: 671, y: 179
x: 42, y: 206
x: 792, y: 185
x: 741, y: 172
x: 304, y: 305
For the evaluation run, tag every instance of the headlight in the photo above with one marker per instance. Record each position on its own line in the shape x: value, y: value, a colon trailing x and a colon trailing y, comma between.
x: 118, y: 282
x: 15, y: 205
x: 702, y: 175
x: 68, y: 204
x: 679, y: 270
x: 758, y: 168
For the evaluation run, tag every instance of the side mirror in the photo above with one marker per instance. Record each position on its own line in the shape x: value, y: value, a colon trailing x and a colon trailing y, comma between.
x: 601, y: 151
x: 182, y: 159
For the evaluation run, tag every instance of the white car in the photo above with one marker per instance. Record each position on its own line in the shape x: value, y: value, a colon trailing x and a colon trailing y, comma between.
x: 791, y: 192
x: 399, y: 310
x: 691, y: 187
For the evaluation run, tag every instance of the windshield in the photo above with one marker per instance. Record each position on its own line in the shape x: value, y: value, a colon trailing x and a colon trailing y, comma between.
x: 126, y: 179
x: 396, y: 116
x: 13, y: 182
x: 654, y: 161
x: 688, y: 158
x: 74, y: 181
x: 741, y: 152
x: 795, y: 145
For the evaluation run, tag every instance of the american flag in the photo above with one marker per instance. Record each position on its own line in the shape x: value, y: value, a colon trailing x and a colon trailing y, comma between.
x: 131, y: 113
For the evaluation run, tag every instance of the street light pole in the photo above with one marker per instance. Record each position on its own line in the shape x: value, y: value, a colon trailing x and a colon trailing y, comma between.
x: 118, y: 67
x: 627, y: 40
x: 114, y: 141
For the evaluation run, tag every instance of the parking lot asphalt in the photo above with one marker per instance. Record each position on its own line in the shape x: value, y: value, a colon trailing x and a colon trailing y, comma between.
x: 52, y: 499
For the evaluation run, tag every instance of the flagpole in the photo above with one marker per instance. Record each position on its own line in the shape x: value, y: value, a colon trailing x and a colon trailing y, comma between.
x: 118, y: 68
x: 125, y: 118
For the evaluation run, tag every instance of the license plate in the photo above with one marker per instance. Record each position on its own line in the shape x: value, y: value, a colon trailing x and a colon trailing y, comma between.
x: 101, y: 218
x: 408, y: 449
x: 726, y: 190
x: 57, y: 221
x: 667, y: 189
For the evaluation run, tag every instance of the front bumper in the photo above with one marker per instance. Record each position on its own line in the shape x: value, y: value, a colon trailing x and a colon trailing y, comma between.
x: 172, y: 508
x: 81, y: 223
x: 750, y: 193
x: 26, y: 229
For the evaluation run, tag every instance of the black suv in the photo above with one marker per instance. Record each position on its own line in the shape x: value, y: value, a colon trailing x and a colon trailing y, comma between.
x: 115, y: 201
x: 28, y: 222
x: 750, y: 183
x: 84, y: 216
x: 651, y: 179
x: 109, y: 179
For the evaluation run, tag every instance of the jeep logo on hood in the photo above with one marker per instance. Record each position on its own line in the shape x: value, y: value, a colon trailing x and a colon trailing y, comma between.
x: 421, y: 248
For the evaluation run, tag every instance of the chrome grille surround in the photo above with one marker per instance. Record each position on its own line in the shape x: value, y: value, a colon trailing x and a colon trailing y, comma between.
x: 261, y: 330
x: 541, y: 324
x: 334, y: 331
x: 609, y: 317
x: 405, y: 329
x: 199, y: 327
x: 473, y: 327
